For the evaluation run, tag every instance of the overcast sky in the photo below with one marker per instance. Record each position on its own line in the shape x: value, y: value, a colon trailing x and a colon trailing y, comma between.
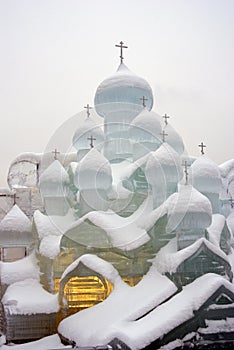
x: 54, y: 53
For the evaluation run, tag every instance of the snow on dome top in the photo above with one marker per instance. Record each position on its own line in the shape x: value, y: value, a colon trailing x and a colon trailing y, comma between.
x: 54, y: 180
x: 15, y: 220
x: 174, y: 139
x: 93, y: 172
x: 123, y: 86
x: 189, y: 208
x: 206, y: 175
x: 87, y: 129
x: 146, y: 126
x: 55, y: 173
x: 163, y: 165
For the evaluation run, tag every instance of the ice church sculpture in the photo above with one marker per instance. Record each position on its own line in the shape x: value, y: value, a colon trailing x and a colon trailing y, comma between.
x: 132, y: 243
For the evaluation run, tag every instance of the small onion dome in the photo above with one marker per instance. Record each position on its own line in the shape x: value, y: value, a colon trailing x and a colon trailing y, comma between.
x: 122, y: 87
x: 189, y: 209
x: 93, y: 172
x: 15, y: 229
x: 174, y: 139
x: 146, y: 127
x: 54, y: 180
x: 87, y: 129
x: 163, y: 166
x: 206, y: 175
x: 15, y: 220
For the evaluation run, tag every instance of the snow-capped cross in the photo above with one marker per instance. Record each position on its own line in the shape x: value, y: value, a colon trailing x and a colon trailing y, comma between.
x: 165, y: 118
x: 202, y: 147
x: 163, y: 136
x: 143, y: 99
x: 88, y: 107
x: 186, y: 172
x: 91, y: 139
x: 121, y: 45
x: 55, y: 153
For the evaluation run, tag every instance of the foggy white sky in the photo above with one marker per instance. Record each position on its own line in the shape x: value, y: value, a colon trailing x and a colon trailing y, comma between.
x: 54, y: 53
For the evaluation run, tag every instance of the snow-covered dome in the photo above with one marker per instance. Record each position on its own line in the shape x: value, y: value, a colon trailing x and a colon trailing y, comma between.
x: 87, y: 129
x: 174, y: 139
x: 163, y: 166
x: 206, y: 175
x: 54, y: 180
x: 93, y: 172
x: 146, y: 127
x: 15, y: 228
x: 122, y: 87
x: 16, y: 220
x: 189, y: 209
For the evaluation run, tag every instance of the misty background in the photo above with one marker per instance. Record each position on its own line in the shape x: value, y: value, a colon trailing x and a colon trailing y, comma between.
x: 54, y: 54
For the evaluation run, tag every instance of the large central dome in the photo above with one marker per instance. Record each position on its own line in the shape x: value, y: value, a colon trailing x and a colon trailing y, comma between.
x: 124, y: 87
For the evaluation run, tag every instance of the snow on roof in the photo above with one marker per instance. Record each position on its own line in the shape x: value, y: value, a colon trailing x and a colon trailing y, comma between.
x: 146, y: 121
x: 19, y: 270
x: 4, y: 190
x: 93, y: 171
x: 55, y: 173
x: 206, y: 175
x: 215, y: 229
x: 226, y: 167
x: 101, y: 323
x: 28, y: 297
x: 123, y: 77
x: 98, y: 265
x: 164, y: 164
x: 51, y: 342
x: 188, y: 201
x: 168, y: 259
x: 174, y: 139
x: 15, y: 220
x: 170, y: 314
x: 50, y: 230
x: 123, y: 233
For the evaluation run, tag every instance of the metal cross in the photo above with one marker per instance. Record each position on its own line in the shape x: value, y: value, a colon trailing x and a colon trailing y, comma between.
x: 143, y: 99
x: 55, y: 153
x: 231, y: 201
x: 88, y: 107
x: 163, y: 136
x: 91, y: 139
x: 202, y: 147
x: 186, y: 171
x: 121, y: 45
x: 166, y: 117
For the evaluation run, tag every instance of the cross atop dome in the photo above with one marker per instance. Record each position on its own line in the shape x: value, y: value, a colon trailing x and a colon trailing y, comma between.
x: 55, y: 152
x: 165, y: 118
x: 202, y: 146
x: 91, y: 139
x: 121, y: 46
x: 164, y: 134
x: 88, y: 107
x: 143, y: 99
x: 186, y: 171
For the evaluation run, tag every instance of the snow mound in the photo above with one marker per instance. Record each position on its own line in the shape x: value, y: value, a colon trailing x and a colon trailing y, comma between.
x: 15, y: 220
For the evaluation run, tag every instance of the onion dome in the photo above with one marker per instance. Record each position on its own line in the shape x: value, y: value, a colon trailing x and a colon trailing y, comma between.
x: 174, y: 139
x: 93, y: 172
x: 123, y: 87
x: 189, y: 209
x: 15, y: 228
x: 146, y: 127
x: 163, y: 166
x: 206, y: 175
x: 87, y: 129
x: 54, y: 180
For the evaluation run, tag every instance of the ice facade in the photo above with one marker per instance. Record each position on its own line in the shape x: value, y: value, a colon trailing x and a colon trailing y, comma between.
x: 127, y: 241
